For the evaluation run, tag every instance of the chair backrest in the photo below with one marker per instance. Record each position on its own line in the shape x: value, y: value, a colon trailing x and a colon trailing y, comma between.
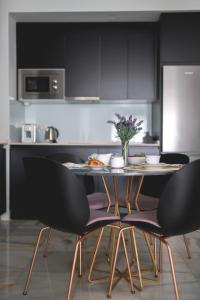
x: 154, y: 185
x: 174, y: 158
x: 88, y: 181
x: 179, y: 205
x: 60, y: 197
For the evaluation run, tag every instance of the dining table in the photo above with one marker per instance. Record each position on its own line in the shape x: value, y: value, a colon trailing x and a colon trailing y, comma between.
x: 130, y: 173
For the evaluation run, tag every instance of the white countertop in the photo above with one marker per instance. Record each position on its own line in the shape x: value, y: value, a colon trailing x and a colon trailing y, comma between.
x: 3, y: 142
x: 82, y: 144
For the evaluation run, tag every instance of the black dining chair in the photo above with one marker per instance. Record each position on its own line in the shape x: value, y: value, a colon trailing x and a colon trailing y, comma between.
x: 97, y: 200
x: 153, y: 186
x: 151, y: 190
x: 177, y: 213
x: 61, y: 204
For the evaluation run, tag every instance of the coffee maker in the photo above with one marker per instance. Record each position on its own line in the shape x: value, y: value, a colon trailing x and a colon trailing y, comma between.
x: 28, y: 133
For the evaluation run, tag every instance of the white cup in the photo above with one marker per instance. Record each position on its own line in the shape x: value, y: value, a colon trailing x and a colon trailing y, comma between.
x: 117, y: 162
x: 152, y: 159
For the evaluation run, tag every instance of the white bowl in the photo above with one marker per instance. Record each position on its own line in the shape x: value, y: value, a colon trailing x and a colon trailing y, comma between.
x: 136, y: 160
x: 152, y: 159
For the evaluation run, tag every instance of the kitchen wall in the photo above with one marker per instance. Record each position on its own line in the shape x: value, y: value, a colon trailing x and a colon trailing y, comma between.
x: 86, y: 123
x: 15, y: 7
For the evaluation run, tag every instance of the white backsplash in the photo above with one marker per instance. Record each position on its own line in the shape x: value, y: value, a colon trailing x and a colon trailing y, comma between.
x: 86, y: 122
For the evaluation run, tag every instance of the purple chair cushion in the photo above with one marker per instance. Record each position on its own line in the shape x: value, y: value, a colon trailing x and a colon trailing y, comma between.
x: 98, y: 200
x: 146, y: 220
x: 145, y: 202
x: 100, y: 218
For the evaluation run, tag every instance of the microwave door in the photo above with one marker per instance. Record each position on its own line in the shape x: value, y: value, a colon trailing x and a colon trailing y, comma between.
x: 37, y: 87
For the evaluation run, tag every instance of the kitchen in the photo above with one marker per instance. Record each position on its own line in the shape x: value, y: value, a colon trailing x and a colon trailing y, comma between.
x: 90, y: 133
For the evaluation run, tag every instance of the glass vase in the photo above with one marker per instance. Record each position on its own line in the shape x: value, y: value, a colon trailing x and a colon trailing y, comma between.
x: 125, y: 152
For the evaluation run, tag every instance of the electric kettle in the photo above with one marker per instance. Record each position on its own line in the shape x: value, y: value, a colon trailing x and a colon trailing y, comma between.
x: 51, y: 134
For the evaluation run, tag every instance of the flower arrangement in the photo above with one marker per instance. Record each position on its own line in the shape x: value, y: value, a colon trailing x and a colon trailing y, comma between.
x: 126, y: 128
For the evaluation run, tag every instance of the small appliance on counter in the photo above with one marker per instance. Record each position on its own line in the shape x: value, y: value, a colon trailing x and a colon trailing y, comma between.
x: 28, y: 133
x: 51, y: 134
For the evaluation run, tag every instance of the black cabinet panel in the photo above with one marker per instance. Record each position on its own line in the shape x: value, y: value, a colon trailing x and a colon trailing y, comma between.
x: 2, y: 180
x: 107, y: 60
x: 40, y: 45
x: 179, y: 38
x: 142, y: 64
x: 82, y: 64
x: 22, y: 203
x: 113, y: 65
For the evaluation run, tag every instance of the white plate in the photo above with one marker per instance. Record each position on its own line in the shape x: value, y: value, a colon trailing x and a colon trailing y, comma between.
x: 97, y: 168
x: 70, y: 165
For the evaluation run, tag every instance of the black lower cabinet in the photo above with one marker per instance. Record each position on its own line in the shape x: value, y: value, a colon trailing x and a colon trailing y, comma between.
x: 2, y: 180
x: 22, y: 203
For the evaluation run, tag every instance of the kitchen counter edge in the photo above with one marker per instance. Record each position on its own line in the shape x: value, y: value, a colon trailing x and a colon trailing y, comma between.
x: 82, y: 144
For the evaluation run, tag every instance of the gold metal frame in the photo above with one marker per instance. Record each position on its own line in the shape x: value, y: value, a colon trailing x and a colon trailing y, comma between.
x: 25, y: 291
x: 77, y: 251
x: 163, y: 240
x: 132, y: 236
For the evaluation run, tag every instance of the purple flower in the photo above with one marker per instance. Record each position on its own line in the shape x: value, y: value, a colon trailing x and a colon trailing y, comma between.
x: 126, y: 128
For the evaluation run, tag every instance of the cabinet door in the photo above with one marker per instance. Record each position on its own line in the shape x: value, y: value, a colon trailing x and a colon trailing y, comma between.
x: 179, y: 38
x: 82, y: 64
x: 40, y: 45
x: 2, y: 181
x: 142, y: 65
x: 22, y: 203
x: 113, y: 66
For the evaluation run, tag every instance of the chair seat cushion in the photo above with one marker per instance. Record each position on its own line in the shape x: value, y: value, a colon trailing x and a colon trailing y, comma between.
x: 146, y: 220
x: 98, y: 200
x: 144, y: 202
x: 100, y: 218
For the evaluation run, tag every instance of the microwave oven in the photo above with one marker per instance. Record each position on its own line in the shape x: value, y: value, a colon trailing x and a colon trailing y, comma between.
x: 38, y: 84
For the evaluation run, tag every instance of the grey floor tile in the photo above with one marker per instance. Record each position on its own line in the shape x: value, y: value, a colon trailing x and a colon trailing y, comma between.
x: 49, y: 280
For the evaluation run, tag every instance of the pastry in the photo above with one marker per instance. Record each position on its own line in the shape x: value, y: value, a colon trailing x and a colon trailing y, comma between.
x: 95, y: 163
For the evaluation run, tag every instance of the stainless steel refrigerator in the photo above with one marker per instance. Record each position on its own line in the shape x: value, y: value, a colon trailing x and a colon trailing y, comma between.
x: 181, y: 110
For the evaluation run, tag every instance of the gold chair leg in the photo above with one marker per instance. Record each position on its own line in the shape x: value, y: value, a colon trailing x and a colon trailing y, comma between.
x: 25, y: 291
x: 77, y: 247
x: 160, y: 256
x: 47, y: 243
x: 128, y: 265
x: 109, y: 244
x: 151, y: 254
x: 172, y: 269
x: 113, y: 266
x: 187, y: 246
x: 137, y: 258
x: 80, y: 261
x: 155, y: 249
x: 93, y: 258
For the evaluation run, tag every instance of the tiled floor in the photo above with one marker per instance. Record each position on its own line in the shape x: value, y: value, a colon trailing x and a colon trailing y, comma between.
x: 50, y: 274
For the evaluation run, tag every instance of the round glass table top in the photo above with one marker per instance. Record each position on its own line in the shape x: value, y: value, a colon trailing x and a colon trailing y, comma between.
x: 132, y: 170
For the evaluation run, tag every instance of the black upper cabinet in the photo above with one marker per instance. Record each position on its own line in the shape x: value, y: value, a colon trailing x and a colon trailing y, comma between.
x: 142, y: 64
x: 113, y: 83
x: 115, y: 61
x: 82, y: 62
x: 40, y: 45
x: 179, y: 38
